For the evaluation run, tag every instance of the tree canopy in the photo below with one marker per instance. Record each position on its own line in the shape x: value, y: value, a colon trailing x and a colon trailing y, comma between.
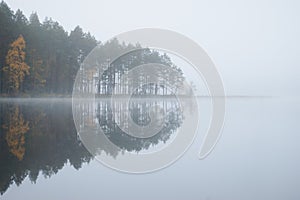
x: 55, y: 56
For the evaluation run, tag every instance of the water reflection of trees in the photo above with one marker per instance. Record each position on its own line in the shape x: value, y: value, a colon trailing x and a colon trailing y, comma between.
x: 99, y: 124
x: 15, y: 127
x: 40, y: 138
x: 139, y: 112
x: 37, y: 139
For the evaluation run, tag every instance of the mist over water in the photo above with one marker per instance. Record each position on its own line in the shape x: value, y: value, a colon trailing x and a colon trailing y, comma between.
x: 251, y: 161
x: 254, y: 46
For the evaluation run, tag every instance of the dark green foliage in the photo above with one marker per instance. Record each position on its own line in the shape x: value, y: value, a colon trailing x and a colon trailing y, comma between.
x: 54, y: 55
x: 57, y: 53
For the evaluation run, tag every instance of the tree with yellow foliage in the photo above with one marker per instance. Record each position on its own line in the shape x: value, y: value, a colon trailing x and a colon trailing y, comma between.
x: 16, y: 68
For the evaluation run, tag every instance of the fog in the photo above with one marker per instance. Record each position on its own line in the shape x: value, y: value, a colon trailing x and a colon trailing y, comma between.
x: 254, y: 44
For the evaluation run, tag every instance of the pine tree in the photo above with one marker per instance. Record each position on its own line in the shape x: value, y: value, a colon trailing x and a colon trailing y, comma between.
x: 16, y: 69
x: 37, y: 72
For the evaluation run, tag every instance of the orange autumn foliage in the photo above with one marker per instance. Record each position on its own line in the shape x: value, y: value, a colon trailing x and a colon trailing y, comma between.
x: 16, y: 68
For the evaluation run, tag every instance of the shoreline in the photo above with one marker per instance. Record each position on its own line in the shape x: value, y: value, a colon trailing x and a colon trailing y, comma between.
x: 134, y: 97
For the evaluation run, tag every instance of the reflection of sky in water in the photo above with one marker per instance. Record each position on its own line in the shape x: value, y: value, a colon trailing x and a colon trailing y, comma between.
x: 256, y: 158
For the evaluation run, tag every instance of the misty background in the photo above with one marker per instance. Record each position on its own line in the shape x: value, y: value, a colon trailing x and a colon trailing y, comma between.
x: 254, y: 44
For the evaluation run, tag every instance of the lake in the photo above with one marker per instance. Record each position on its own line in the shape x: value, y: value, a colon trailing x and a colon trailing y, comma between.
x: 257, y: 156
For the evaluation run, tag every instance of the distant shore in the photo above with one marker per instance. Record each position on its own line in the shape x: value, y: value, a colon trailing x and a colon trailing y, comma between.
x: 69, y: 96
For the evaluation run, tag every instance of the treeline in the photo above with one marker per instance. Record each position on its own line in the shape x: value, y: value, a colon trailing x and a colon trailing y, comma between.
x: 41, y: 58
x: 52, y: 54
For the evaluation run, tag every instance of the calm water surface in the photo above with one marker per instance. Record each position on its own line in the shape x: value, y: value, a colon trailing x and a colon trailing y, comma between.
x: 257, y: 156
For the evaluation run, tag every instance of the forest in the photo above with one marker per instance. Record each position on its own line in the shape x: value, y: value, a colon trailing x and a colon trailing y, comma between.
x: 40, y: 58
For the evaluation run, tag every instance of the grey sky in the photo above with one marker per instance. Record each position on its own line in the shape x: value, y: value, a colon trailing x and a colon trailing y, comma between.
x: 254, y: 44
